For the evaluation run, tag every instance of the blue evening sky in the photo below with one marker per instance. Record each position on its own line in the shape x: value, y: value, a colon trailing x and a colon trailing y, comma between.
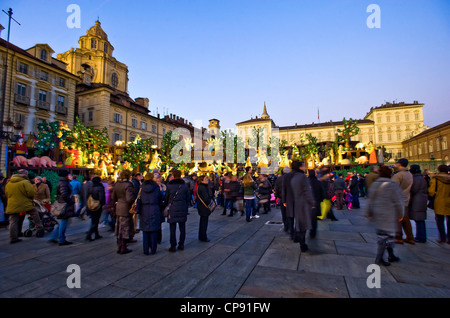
x: 203, y: 59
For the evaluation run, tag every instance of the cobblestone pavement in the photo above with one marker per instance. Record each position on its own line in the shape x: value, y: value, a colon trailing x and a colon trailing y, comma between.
x: 255, y: 259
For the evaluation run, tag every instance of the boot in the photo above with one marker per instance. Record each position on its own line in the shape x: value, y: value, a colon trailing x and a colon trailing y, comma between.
x: 123, y: 247
x: 392, y: 257
x: 379, y: 259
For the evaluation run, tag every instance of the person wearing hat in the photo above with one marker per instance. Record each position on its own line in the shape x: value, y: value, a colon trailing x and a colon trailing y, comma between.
x: 63, y: 195
x: 20, y: 194
x: 404, y: 179
x: 417, y: 208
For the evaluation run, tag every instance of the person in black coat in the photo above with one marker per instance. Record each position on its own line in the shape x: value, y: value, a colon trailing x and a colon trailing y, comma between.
x: 354, y: 191
x: 417, y: 208
x: 203, y: 200
x: 319, y: 196
x: 150, y: 213
x: 178, y: 196
x: 97, y: 191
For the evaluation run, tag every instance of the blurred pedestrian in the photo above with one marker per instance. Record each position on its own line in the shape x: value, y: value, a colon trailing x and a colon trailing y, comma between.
x: 204, y: 198
x: 42, y: 193
x: 385, y: 208
x: 339, y: 188
x: 404, y: 179
x: 279, y: 195
x: 63, y: 195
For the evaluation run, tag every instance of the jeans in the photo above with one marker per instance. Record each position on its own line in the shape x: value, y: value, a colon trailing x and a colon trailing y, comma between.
x: 250, y: 208
x: 59, y: 232
x: 421, y: 232
x: 173, y: 236
x: 229, y: 202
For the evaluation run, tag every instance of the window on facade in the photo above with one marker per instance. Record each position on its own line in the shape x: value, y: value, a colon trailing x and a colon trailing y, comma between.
x: 23, y: 68
x: 379, y: 119
x: 21, y: 89
x: 62, y: 82
x: 134, y: 123
x: 154, y: 129
x: 61, y: 100
x: 164, y: 131
x: 117, y: 137
x: 105, y: 47
x: 399, y: 136
x: 117, y: 118
x: 91, y: 115
x: 42, y: 95
x: 420, y: 149
x: 82, y: 117
x: 380, y: 138
x: 114, y: 80
x: 389, y: 137
x: 406, y: 116
x: 93, y: 44
x: 44, y: 76
x: 437, y: 144
x: 430, y: 146
x: 444, y: 143
x: 416, y: 116
x: 44, y: 55
x: 397, y: 118
x: 425, y: 147
x: 388, y: 118
x: 143, y: 125
x: 132, y: 138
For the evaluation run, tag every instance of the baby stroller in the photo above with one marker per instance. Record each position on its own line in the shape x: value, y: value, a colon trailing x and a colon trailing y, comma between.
x: 47, y: 220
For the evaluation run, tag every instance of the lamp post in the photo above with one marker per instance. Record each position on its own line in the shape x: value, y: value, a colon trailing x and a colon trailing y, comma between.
x: 5, y: 134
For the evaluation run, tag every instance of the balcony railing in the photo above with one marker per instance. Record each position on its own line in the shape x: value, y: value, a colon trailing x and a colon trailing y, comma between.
x: 22, y: 99
x: 43, y: 105
x: 61, y: 110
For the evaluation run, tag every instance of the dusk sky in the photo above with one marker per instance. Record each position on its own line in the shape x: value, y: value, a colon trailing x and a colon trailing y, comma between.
x: 203, y: 59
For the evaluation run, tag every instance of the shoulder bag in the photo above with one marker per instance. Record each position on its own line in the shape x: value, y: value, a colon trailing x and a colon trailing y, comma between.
x: 58, y: 209
x: 211, y: 206
x: 135, y: 208
x: 167, y: 209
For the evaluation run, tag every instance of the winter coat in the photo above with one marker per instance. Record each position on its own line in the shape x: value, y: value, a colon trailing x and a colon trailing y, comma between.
x: 42, y: 193
x: 442, y: 199
x: 404, y: 179
x: 264, y: 189
x: 124, y: 196
x: 203, y: 193
x: 278, y: 188
x: 317, y: 189
x: 85, y: 189
x: 386, y: 204
x: 76, y: 186
x: 250, y: 190
x: 300, y: 200
x: 339, y: 184
x: 354, y: 189
x: 235, y: 189
x: 180, y: 204
x: 417, y: 209
x: 226, y: 189
x: 98, y: 193
x: 64, y: 194
x: 150, y: 212
x: 20, y: 194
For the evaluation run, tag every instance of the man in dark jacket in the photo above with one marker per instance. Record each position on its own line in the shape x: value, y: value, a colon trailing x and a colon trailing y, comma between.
x: 63, y: 195
x: 203, y: 200
x: 178, y: 196
x: 318, y: 193
x: 299, y: 201
x: 339, y: 187
x: 354, y: 191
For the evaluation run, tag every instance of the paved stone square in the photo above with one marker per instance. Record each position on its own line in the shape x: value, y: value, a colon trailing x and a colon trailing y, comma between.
x: 243, y: 259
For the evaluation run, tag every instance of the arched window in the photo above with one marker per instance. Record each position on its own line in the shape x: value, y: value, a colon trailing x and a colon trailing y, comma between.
x: 44, y: 55
x: 114, y: 80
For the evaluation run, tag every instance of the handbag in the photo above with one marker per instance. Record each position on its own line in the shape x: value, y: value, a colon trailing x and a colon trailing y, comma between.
x: 211, y: 206
x: 167, y: 209
x: 135, y: 208
x: 92, y: 204
x: 58, y: 208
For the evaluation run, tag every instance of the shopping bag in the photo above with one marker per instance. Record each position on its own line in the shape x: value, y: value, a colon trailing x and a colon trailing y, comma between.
x: 325, y: 207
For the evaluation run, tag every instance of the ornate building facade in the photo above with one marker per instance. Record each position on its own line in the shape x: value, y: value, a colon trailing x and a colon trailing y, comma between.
x: 102, y: 98
x: 387, y: 125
